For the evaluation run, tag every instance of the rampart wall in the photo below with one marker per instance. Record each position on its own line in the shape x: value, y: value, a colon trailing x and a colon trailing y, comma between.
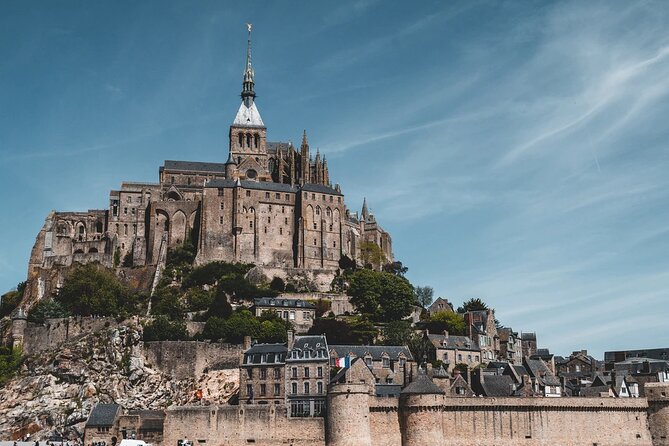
x: 51, y: 334
x: 260, y: 425
x: 189, y: 359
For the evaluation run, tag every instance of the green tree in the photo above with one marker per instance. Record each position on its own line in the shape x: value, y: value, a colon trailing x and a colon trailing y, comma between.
x: 346, y: 263
x: 11, y: 299
x: 10, y: 361
x: 214, y: 328
x: 117, y: 257
x: 198, y: 299
x: 220, y: 306
x: 92, y: 290
x: 397, y: 333
x: 421, y: 348
x: 449, y: 321
x: 474, y: 304
x: 46, y: 309
x: 424, y: 295
x: 167, y: 301
x: 354, y: 331
x: 381, y: 295
x: 277, y: 284
x: 163, y: 329
x: 372, y: 255
x: 395, y: 268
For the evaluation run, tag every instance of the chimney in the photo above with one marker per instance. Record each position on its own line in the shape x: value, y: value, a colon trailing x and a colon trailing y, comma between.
x: 291, y: 339
x: 247, y: 342
x: 445, y: 335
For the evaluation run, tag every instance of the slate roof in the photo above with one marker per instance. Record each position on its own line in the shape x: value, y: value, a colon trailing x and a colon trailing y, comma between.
x: 320, y: 188
x: 310, y: 342
x: 536, y: 367
x: 282, y: 303
x: 593, y: 391
x: 440, y: 373
x: 387, y: 390
x: 422, y: 385
x: 103, y: 415
x: 267, y: 348
x: 194, y: 166
x: 376, y: 351
x: 258, y: 185
x: 248, y: 116
x: 453, y: 342
x: 528, y: 336
x: 275, y: 146
x: 497, y: 385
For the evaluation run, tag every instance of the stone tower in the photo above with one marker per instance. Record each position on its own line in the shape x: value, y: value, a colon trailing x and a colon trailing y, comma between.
x: 658, y: 412
x: 248, y: 134
x: 19, y: 324
x: 348, y: 415
x: 421, y: 419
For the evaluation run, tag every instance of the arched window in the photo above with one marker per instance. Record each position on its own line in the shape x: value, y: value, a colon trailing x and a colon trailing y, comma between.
x: 248, y: 140
x: 271, y: 165
x: 256, y: 140
x: 98, y: 227
x: 241, y: 140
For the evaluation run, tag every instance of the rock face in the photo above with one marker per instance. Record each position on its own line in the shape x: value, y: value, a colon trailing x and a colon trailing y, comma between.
x: 56, y: 390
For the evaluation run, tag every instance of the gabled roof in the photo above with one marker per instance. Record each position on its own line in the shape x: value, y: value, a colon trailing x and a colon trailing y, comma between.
x: 453, y: 342
x: 310, y: 342
x: 536, y: 367
x: 103, y: 415
x: 248, y: 116
x: 267, y: 348
x: 440, y: 373
x: 497, y: 385
x: 422, y: 385
x: 376, y: 351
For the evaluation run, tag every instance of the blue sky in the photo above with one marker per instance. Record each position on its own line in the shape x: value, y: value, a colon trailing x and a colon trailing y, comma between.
x: 516, y: 151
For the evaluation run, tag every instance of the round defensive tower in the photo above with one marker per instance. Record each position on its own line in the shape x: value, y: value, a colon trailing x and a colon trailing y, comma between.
x: 348, y: 415
x: 19, y: 324
x: 421, y: 418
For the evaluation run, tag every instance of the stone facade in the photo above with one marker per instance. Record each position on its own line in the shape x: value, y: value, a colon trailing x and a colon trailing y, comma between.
x: 270, y: 204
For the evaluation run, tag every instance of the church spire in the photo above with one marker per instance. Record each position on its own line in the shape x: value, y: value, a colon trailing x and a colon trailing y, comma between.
x: 248, y: 90
x: 365, y: 211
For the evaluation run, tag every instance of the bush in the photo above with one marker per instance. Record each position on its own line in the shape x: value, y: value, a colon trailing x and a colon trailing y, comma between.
x: 163, y: 329
x: 94, y: 290
x: 277, y: 284
x: 11, y: 300
x: 10, y: 361
x: 46, y: 309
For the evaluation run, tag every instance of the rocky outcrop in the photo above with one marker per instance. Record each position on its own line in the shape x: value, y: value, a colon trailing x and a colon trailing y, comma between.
x: 56, y: 390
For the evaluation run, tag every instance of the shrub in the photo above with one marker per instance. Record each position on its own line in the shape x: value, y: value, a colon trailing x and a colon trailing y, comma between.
x: 10, y: 361
x: 94, y: 290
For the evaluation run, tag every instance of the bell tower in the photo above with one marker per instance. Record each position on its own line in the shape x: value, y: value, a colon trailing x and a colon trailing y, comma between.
x: 248, y: 134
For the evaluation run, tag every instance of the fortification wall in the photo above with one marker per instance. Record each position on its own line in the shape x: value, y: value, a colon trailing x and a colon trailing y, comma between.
x: 261, y: 425
x: 189, y: 359
x: 51, y: 334
x: 531, y: 422
x: 384, y: 421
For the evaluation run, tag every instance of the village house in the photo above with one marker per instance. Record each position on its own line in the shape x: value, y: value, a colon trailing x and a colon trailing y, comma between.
x: 298, y: 312
x: 510, y: 348
x: 440, y: 305
x: 307, y: 375
x: 389, y: 364
x: 452, y: 350
x: 482, y: 330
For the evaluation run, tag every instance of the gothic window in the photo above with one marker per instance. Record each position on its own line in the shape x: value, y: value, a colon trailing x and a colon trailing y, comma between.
x: 241, y: 140
x: 248, y: 193
x: 318, y: 210
x: 252, y: 210
x: 248, y: 140
x: 328, y: 212
x: 256, y: 140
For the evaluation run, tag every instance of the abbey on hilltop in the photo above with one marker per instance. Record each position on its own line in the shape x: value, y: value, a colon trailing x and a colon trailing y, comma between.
x: 270, y: 204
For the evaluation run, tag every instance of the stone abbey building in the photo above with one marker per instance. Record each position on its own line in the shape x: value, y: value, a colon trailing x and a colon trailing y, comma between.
x: 270, y: 204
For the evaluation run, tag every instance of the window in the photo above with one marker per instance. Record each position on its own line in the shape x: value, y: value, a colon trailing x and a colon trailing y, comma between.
x: 291, y: 316
x: 248, y: 193
x: 280, y: 231
x: 459, y: 357
x: 241, y: 140
x: 277, y: 373
x: 318, y: 211
x: 263, y: 373
x: 263, y: 389
x: 283, y: 209
x: 334, y: 244
x: 368, y: 361
x: 134, y: 229
x: 285, y: 221
x: 306, y: 372
x: 320, y: 387
x: 172, y: 180
x: 249, y: 373
x: 277, y: 389
x: 221, y: 193
x: 220, y: 220
x: 313, y: 196
x: 265, y: 229
x: 266, y: 194
x: 469, y: 358
x: 315, y: 227
x: 188, y: 180
x: 323, y: 197
x: 255, y: 140
x: 293, y: 388
x: 294, y: 372
x: 269, y: 219
x: 125, y: 230
x: 222, y: 206
x: 386, y: 363
x: 287, y: 197
x: 249, y: 390
x: 319, y: 372
x: 306, y: 388
x: 277, y: 195
x: 125, y: 211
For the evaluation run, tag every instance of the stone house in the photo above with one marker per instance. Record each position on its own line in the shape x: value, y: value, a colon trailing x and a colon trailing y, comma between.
x: 298, y: 312
x: 439, y: 305
x: 144, y: 425
x: 262, y: 377
x: 102, y: 424
x: 544, y: 382
x: 481, y: 329
x: 455, y: 385
x: 307, y: 375
x: 510, y: 347
x: 388, y: 364
x: 528, y: 342
x: 452, y: 350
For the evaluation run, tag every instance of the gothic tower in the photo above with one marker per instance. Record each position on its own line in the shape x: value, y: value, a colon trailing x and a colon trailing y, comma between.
x: 248, y: 134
